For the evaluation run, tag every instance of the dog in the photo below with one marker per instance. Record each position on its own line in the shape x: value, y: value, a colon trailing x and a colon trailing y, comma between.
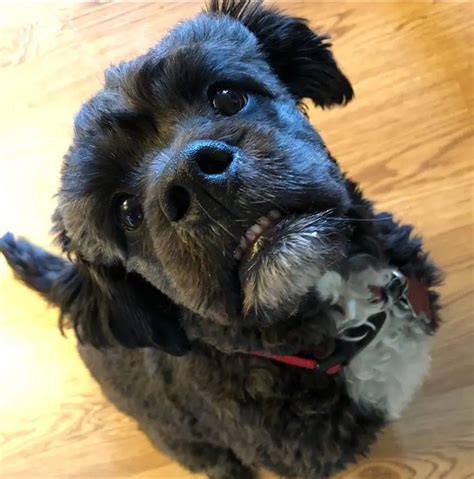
x: 230, y: 288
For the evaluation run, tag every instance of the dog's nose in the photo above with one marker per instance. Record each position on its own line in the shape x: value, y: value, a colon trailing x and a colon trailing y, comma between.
x: 212, y: 158
x: 201, y: 165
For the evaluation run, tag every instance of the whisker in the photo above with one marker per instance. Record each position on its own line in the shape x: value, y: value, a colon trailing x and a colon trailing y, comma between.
x: 359, y: 220
x: 214, y: 220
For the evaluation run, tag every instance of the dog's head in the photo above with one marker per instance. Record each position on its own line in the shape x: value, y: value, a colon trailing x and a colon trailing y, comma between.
x: 195, y: 180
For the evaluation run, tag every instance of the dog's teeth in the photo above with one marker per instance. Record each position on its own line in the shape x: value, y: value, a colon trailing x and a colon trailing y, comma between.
x: 264, y: 221
x: 274, y: 214
x: 257, y: 229
x: 263, y: 224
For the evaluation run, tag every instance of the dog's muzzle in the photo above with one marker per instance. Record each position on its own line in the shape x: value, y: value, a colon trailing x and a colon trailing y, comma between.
x: 287, y: 261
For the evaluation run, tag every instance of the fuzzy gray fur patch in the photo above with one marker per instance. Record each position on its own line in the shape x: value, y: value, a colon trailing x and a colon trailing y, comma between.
x: 386, y: 374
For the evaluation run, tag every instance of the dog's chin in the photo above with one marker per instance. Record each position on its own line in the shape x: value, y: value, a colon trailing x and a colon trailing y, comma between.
x: 284, y: 263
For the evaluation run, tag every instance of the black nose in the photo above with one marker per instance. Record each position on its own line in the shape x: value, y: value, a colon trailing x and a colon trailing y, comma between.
x: 201, y: 165
x: 213, y: 159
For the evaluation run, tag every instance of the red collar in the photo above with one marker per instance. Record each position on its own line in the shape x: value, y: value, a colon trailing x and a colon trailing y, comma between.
x: 301, y: 362
x: 408, y: 292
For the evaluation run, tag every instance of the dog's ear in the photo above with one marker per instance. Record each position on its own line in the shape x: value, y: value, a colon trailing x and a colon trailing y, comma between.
x: 106, y: 303
x: 301, y: 58
x: 103, y: 304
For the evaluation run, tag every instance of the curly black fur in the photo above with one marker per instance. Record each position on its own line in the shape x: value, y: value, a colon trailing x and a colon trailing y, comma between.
x: 138, y: 299
x: 302, y: 59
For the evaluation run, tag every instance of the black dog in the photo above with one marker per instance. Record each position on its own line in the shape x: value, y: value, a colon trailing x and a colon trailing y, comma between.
x: 221, y: 268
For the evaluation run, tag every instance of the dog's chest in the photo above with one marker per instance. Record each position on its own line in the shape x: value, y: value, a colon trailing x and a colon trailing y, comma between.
x: 387, y: 372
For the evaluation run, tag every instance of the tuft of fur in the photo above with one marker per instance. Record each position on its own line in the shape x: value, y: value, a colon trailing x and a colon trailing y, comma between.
x: 37, y: 268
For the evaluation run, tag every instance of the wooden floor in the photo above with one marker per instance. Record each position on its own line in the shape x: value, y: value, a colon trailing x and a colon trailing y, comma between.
x: 407, y: 138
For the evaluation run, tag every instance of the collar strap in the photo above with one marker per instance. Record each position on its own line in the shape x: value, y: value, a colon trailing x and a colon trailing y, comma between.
x: 330, y: 358
x: 298, y: 361
x: 408, y: 293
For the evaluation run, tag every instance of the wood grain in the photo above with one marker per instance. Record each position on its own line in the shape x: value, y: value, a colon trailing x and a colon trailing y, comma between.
x: 407, y: 138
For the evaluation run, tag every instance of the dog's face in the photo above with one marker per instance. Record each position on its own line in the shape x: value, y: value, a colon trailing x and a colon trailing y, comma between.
x: 195, y: 171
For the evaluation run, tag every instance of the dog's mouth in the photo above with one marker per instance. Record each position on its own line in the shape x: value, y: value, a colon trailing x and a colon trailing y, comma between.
x: 276, y: 262
x: 281, y: 257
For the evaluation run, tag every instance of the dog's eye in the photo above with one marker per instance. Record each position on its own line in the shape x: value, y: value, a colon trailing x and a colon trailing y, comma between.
x: 227, y: 101
x: 130, y: 213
